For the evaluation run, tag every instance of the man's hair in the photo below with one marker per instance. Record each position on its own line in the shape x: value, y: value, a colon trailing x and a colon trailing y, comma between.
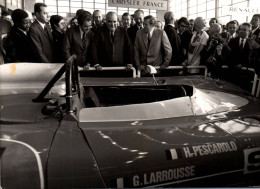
x: 110, y: 13
x: 231, y: 22
x: 84, y: 16
x: 184, y: 20
x: 169, y: 17
x: 213, y: 19
x: 139, y: 10
x: 126, y: 14
x: 37, y: 7
x: 256, y: 15
x: 247, y: 24
x: 96, y: 11
x: 152, y: 20
x: 54, y: 20
x: 79, y: 11
x: 191, y: 20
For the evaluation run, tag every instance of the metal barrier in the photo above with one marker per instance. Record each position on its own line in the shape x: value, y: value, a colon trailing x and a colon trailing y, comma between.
x: 178, y: 68
x: 85, y: 68
x: 256, y: 79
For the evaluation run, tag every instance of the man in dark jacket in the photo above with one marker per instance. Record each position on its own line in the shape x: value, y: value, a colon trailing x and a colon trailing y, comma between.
x: 17, y: 42
x: 40, y: 35
x: 78, y: 40
x: 139, y: 19
x: 112, y: 46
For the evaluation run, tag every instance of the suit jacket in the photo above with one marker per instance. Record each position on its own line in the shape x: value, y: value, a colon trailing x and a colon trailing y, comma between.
x: 41, y: 43
x: 237, y: 56
x: 1, y: 50
x: 72, y: 44
x: 58, y: 44
x: 175, y: 40
x: 256, y: 33
x: 109, y: 53
x: 17, y: 46
x: 158, y: 53
x: 132, y: 33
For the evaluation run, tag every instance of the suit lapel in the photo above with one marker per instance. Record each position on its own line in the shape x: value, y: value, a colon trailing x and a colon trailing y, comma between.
x: 78, y: 37
x: 145, y: 39
x: 41, y: 29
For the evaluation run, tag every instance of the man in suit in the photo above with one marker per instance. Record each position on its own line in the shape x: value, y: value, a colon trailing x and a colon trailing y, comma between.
x: 255, y: 22
x: 177, y: 52
x: 78, y: 40
x: 126, y: 20
x: 239, y: 55
x: 232, y: 29
x: 139, y: 19
x: 17, y: 42
x: 112, y: 46
x: 152, y: 46
x: 97, y: 20
x: 40, y: 36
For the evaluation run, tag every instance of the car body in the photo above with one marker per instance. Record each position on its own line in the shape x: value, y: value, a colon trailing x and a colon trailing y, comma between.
x: 185, y: 131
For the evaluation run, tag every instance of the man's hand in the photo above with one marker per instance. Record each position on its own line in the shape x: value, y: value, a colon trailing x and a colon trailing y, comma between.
x: 86, y: 68
x: 128, y: 67
x: 162, y: 67
x: 98, y: 67
x: 141, y: 67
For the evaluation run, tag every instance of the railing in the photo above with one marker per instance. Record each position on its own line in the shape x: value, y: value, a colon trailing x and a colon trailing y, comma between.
x: 86, y: 68
x: 256, y: 79
x: 178, y: 68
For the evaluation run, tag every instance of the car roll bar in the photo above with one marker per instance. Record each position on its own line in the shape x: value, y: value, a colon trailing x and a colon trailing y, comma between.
x: 108, y: 69
x: 71, y: 70
x: 178, y: 68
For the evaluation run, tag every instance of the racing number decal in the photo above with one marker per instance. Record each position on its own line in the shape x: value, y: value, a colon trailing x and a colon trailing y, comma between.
x: 252, y: 160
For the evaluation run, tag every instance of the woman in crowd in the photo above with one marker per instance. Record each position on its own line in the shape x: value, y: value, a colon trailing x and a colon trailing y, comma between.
x: 197, y: 43
x: 58, y: 26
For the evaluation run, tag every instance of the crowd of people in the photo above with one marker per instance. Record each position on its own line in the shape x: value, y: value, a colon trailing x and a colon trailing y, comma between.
x: 135, y: 40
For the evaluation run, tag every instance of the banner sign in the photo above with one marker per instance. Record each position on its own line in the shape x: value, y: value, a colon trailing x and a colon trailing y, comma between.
x: 139, y: 4
x: 242, y: 11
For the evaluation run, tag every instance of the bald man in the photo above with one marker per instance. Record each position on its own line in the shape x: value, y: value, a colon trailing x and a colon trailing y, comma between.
x: 112, y: 46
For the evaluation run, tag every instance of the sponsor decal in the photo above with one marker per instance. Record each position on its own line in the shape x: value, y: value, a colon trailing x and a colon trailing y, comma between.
x: 252, y: 160
x: 209, y: 149
x: 163, y: 176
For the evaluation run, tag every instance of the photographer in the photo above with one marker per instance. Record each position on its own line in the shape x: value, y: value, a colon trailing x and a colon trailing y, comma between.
x: 216, y: 53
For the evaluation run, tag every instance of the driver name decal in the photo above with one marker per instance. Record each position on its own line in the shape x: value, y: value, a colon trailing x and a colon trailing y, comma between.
x: 163, y: 176
x: 209, y: 149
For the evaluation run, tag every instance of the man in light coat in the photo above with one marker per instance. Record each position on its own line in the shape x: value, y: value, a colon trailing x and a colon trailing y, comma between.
x: 152, y: 46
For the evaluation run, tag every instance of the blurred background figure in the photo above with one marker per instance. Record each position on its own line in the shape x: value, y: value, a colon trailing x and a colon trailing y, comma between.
x: 97, y: 19
x: 212, y: 21
x: 255, y: 22
x: 17, y: 42
x: 58, y: 26
x: 159, y: 24
x: 126, y: 20
x: 232, y: 28
x: 1, y: 50
x: 139, y: 19
x: 73, y: 22
x: 132, y: 20
x: 5, y: 24
x: 191, y: 24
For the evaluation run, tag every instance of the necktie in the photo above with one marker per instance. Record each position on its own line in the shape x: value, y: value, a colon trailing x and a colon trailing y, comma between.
x: 84, y: 39
x: 45, y: 29
x: 112, y: 36
x: 241, y: 46
x: 149, y: 38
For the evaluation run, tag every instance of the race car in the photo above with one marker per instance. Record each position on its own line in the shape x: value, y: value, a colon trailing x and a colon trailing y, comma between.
x: 92, y: 132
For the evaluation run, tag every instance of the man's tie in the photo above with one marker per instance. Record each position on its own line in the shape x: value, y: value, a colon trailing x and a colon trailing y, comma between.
x: 84, y: 39
x: 241, y: 46
x: 45, y: 29
x: 112, y: 37
x: 149, y: 38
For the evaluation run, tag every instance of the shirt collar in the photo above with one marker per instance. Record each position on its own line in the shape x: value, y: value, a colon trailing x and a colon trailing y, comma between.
x: 151, y: 32
x: 42, y: 25
x: 22, y: 31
